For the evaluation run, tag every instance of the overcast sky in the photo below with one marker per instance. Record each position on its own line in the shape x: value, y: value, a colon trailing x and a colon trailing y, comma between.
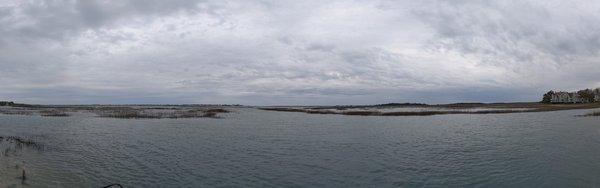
x: 295, y: 52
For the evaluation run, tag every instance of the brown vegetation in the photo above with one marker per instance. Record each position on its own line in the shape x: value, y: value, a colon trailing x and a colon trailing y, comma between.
x: 53, y: 113
x: 132, y: 113
x: 14, y: 111
x: 124, y: 112
x: 500, y: 108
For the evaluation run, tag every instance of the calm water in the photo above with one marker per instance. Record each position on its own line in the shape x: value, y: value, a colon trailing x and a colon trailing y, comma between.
x: 252, y: 148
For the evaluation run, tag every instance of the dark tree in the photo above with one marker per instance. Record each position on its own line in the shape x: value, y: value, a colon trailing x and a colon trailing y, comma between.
x: 6, y: 103
x: 548, y: 97
x: 586, y: 94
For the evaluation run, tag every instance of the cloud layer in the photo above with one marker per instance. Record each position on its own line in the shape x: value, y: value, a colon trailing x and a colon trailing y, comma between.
x: 295, y: 52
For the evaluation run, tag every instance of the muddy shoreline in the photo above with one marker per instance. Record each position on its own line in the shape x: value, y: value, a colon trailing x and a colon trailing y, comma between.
x: 428, y: 110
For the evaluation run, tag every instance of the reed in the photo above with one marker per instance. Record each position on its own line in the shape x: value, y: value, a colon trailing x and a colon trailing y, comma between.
x: 21, y: 142
x: 53, y: 113
x: 130, y: 113
x: 596, y: 113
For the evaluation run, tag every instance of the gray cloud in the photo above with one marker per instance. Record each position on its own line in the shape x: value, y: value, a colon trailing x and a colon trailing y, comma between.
x: 65, y: 18
x: 295, y: 52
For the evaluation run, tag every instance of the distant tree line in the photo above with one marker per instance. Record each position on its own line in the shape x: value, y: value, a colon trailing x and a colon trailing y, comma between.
x: 13, y: 104
x: 6, y: 103
x: 586, y: 94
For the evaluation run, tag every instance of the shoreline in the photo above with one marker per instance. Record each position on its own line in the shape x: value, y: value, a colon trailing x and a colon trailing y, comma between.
x: 441, y: 109
x: 212, y: 111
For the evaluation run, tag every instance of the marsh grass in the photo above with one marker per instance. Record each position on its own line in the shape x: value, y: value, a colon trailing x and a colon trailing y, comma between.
x: 125, y: 114
x: 16, y: 111
x: 13, y: 144
x: 131, y: 113
x: 595, y: 113
x: 53, y: 113
x: 122, y: 112
x: 427, y: 113
x: 458, y: 108
x: 361, y: 112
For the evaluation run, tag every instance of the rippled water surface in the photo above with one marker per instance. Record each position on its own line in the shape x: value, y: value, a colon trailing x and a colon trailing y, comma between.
x: 253, y: 148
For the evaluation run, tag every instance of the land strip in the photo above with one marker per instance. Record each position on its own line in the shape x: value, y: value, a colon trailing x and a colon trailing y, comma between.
x: 428, y: 110
x: 119, y: 111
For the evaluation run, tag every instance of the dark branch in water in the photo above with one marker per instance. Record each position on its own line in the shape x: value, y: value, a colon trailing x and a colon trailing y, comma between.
x: 113, y: 185
x: 22, y: 141
x: 13, y: 144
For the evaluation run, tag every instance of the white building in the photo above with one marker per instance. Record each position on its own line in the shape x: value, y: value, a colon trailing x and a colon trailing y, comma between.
x: 573, y: 97
x: 565, y: 97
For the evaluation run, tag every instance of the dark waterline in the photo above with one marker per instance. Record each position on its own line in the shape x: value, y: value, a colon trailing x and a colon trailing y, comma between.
x: 253, y: 148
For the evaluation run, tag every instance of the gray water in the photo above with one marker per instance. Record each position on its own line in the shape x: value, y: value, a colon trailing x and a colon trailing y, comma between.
x: 253, y: 148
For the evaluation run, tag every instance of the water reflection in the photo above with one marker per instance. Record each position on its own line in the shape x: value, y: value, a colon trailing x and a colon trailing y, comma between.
x: 253, y: 148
